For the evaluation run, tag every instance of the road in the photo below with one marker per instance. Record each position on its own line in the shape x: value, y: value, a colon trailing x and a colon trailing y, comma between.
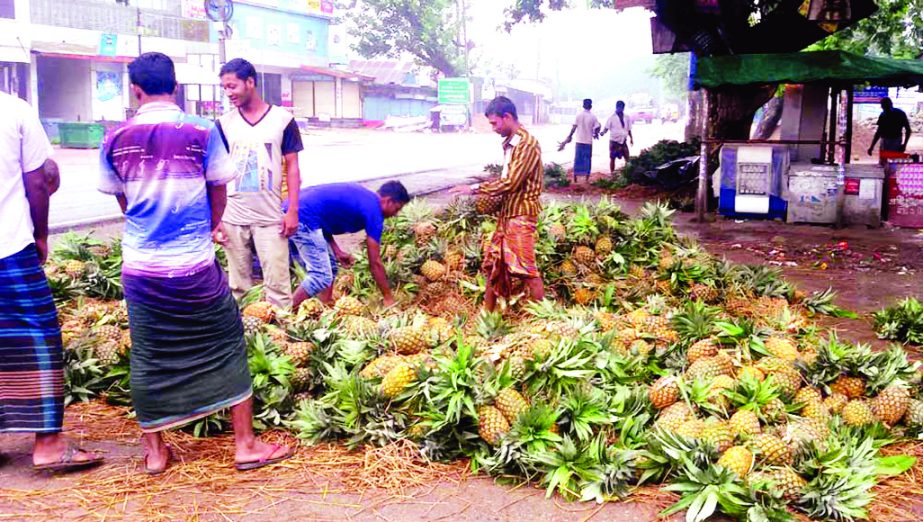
x: 433, y: 161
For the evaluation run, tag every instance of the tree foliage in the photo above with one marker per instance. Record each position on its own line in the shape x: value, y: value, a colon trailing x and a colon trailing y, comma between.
x: 673, y: 71
x: 428, y: 30
x: 895, y: 30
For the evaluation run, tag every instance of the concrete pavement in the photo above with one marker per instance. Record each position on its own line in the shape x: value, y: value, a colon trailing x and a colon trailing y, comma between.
x: 426, y: 163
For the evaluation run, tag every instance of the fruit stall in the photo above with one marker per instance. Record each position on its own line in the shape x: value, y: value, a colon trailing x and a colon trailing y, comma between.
x: 653, y: 368
x: 806, y: 175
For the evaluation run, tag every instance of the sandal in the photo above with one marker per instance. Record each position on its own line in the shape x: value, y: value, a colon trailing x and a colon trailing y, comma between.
x: 154, y: 472
x: 67, y: 463
x: 264, y: 461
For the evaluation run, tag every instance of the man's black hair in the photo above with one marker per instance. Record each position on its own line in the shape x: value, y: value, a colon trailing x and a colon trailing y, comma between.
x: 886, y: 102
x: 396, y: 191
x: 619, y: 104
x: 587, y: 104
x: 153, y: 73
x: 241, y: 68
x: 501, y: 105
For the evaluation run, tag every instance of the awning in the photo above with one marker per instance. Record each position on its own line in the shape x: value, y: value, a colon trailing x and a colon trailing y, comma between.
x: 14, y: 54
x: 336, y: 73
x: 192, y: 74
x: 829, y: 67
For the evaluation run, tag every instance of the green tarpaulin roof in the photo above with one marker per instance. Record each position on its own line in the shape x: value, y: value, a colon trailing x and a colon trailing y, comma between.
x: 831, y: 67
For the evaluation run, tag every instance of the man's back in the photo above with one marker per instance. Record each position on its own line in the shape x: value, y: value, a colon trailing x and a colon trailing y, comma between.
x: 161, y: 161
x: 618, y: 125
x: 891, y: 122
x: 24, y: 147
x: 341, y: 208
x: 586, y: 123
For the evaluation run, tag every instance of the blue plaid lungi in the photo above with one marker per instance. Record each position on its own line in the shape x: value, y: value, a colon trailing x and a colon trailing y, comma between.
x: 31, y: 355
x: 583, y: 159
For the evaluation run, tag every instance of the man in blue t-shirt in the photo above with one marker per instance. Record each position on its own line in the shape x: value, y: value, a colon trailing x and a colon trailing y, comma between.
x: 326, y: 211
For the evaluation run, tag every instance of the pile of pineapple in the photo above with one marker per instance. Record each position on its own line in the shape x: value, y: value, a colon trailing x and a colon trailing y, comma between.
x: 651, y: 362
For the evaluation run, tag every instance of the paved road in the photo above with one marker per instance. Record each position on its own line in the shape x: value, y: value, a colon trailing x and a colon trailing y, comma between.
x: 428, y: 162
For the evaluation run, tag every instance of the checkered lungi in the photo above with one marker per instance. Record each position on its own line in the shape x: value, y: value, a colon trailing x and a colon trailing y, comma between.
x: 31, y: 356
x: 511, y: 253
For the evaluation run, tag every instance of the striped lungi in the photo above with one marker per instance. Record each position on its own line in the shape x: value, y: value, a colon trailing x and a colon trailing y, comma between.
x: 511, y: 253
x: 31, y: 356
x: 583, y: 159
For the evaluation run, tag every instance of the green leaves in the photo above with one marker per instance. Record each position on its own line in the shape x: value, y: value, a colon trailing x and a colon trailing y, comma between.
x: 705, y: 490
x: 901, y: 322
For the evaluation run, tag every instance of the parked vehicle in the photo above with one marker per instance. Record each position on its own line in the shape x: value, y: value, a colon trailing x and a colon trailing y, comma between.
x: 644, y: 114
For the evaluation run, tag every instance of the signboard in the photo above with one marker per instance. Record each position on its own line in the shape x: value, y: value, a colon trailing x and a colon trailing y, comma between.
x: 456, y: 115
x: 194, y: 9
x: 905, y: 196
x: 870, y: 94
x: 852, y: 186
x: 454, y: 91
x: 108, y: 44
x: 325, y: 7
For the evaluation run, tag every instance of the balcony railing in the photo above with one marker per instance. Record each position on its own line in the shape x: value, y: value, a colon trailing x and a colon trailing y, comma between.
x: 109, y: 17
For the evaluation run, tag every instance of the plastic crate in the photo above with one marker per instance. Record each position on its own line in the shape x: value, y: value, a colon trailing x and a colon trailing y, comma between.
x: 81, y: 135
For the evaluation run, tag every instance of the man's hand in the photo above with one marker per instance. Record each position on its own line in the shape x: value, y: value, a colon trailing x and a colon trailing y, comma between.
x: 42, y: 246
x: 345, y: 259
x: 870, y: 150
x: 289, y: 223
x: 563, y: 144
x: 632, y: 142
x: 219, y: 235
x: 462, y: 190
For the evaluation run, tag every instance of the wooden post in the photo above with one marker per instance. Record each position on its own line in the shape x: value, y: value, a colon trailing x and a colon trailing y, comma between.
x: 701, y: 197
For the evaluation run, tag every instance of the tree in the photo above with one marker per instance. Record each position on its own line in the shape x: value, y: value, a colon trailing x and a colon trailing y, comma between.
x: 895, y: 30
x: 673, y: 71
x: 428, y: 30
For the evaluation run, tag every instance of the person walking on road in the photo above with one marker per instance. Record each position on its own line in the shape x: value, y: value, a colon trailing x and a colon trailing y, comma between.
x: 326, y: 211
x: 31, y: 353
x: 260, y: 136
x: 619, y: 128
x: 169, y: 171
x: 586, y: 128
x: 511, y: 252
x: 893, y: 129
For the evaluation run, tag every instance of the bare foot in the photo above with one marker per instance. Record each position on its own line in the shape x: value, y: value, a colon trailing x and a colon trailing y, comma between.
x: 259, y: 450
x: 50, y: 448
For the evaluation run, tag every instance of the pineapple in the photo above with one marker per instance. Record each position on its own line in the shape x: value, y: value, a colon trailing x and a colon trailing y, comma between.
x: 74, y: 268
x: 781, y: 348
x: 801, y: 432
x: 914, y: 415
x: 638, y: 272
x: 511, y: 404
x: 788, y: 379
x: 751, y: 372
x: 454, y: 261
x: 433, y: 270
x: 817, y: 411
x: 718, y: 433
x: 772, y: 450
x: 107, y: 352
x: 488, y: 205
x: 666, y: 259
x: 851, y: 387
x: 125, y: 341
x: 664, y: 287
x: 836, y: 402
x: 745, y: 422
x: 567, y: 268
x: 423, y: 232
x: 584, y: 255
x: 773, y: 409
x: 261, y: 310
x: 857, y: 413
x: 311, y: 308
x: 300, y: 380
x: 691, y: 428
x: 557, y: 231
x: 492, y: 425
x: 708, y: 368
x: 584, y: 296
x: 252, y: 325
x: 358, y: 326
x: 299, y: 353
x: 808, y: 396
x: 348, y: 305
x: 785, y: 480
x: 607, y: 321
x: 409, y: 340
x: 517, y: 367
x: 603, y: 247
x: 737, y: 459
x: 673, y: 416
x: 703, y: 292
x: 380, y: 366
x: 400, y: 377
x: 664, y: 392
x: 701, y: 349
x: 108, y: 332
x: 891, y: 404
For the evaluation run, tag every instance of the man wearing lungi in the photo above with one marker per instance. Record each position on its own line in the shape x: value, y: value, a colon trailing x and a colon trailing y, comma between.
x: 512, y: 249
x: 326, y: 211
x: 169, y: 172
x: 260, y: 136
x: 31, y: 355
x: 586, y: 128
x: 619, y: 128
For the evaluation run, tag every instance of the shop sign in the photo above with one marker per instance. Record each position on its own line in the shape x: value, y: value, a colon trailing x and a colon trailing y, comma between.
x: 852, y: 186
x: 454, y: 91
x: 870, y: 94
x: 108, y: 44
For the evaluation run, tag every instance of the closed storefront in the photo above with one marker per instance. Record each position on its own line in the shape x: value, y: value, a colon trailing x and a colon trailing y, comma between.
x: 352, y: 100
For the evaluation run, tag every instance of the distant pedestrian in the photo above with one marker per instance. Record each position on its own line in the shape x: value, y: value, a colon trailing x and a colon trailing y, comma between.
x: 586, y: 128
x: 511, y: 252
x: 169, y: 172
x: 893, y: 129
x: 619, y: 128
x: 260, y: 136
x: 31, y: 354
x: 327, y: 211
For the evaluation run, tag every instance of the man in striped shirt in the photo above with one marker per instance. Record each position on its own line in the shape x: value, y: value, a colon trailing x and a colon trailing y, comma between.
x: 512, y: 249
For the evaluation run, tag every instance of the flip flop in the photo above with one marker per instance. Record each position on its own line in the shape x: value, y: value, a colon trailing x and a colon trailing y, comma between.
x: 155, y: 472
x: 67, y: 463
x: 264, y: 461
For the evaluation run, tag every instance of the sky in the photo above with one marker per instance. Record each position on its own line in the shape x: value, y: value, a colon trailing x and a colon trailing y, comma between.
x: 587, y: 53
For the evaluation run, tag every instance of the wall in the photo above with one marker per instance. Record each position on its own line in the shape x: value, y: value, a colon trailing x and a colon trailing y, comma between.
x: 64, y: 89
x: 277, y: 38
x: 378, y: 107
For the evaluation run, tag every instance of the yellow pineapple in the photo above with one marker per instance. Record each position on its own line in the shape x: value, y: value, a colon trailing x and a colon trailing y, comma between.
x: 511, y: 404
x: 751, y: 372
x: 454, y: 261
x: 557, y: 231
x: 851, y: 387
x: 784, y: 479
x: 299, y: 353
x: 673, y: 416
x: 423, y: 232
x: 310, y: 309
x: 703, y: 292
x: 857, y: 413
x: 808, y: 396
x: 492, y: 425
x: 664, y: 392
x: 691, y: 428
x: 584, y: 296
x: 603, y: 247
x: 701, y: 349
x: 781, y: 348
x: 737, y: 459
x: 74, y: 268
x: 745, y: 422
x: 567, y: 268
x: 584, y: 255
x: 348, y: 305
x: 836, y: 402
x: 107, y: 352
x: 262, y: 310
x: 409, y: 340
x: 396, y: 380
x: 380, y: 366
x: 718, y: 433
x: 772, y: 450
x: 433, y: 270
x: 891, y: 404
